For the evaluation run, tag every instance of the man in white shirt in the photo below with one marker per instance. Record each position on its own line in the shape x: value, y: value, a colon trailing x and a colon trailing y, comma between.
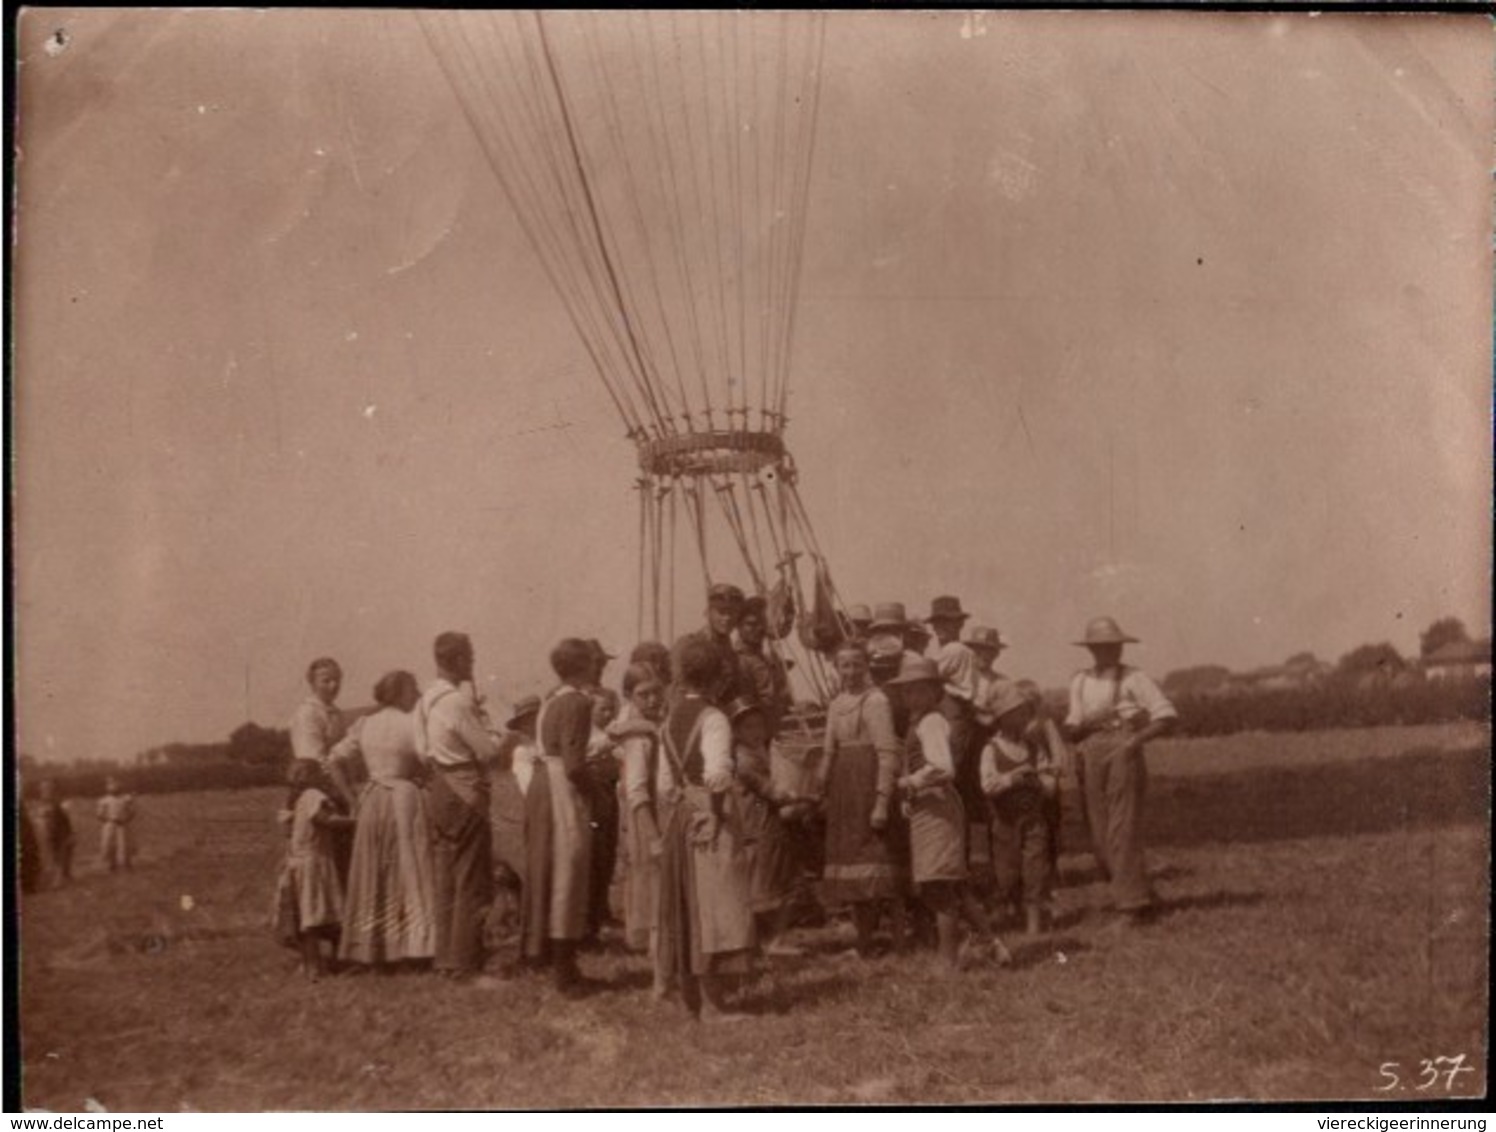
x: 459, y: 744
x: 1114, y: 711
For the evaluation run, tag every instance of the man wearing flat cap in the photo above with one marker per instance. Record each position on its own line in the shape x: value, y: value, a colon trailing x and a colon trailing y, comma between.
x: 724, y: 609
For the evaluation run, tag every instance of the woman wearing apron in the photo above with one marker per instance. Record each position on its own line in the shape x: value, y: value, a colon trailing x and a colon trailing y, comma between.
x: 558, y: 834
x: 705, y: 916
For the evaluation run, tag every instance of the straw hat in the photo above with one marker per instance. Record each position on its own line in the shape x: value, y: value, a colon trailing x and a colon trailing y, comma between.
x: 523, y: 708
x: 1010, y: 698
x: 947, y: 609
x: 1105, y: 631
x: 859, y: 614
x: 889, y: 615
x: 985, y: 637
x: 918, y: 670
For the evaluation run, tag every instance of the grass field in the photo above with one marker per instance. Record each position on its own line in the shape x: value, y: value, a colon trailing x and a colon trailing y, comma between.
x: 1325, y: 914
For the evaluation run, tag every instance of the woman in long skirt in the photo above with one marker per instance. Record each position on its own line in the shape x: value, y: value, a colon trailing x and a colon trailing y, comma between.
x: 389, y: 910
x: 705, y: 923
x: 638, y: 738
x: 558, y: 835
x: 864, y: 864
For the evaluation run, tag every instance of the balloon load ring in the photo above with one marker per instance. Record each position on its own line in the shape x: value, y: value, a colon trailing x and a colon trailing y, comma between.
x: 711, y: 453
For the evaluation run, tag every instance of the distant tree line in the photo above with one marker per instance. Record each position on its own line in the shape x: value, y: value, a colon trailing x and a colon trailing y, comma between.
x: 252, y: 756
x: 1373, y: 685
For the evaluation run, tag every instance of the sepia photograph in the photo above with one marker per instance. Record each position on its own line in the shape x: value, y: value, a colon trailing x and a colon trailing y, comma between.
x: 749, y: 559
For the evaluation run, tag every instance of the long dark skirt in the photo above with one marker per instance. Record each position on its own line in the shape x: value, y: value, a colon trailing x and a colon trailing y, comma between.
x: 861, y: 863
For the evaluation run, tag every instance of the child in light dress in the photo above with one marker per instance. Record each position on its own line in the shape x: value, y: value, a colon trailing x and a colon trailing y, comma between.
x: 310, y: 889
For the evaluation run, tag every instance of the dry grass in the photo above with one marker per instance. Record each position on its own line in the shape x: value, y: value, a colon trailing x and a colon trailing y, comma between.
x: 1325, y: 912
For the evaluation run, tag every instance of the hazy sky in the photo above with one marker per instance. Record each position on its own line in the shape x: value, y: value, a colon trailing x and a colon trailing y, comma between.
x: 1179, y: 317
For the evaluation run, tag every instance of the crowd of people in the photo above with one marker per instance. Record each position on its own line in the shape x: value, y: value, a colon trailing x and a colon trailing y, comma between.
x: 926, y: 794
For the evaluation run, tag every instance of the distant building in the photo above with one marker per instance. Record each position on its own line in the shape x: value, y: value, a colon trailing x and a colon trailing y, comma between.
x: 1297, y: 673
x: 1459, y: 660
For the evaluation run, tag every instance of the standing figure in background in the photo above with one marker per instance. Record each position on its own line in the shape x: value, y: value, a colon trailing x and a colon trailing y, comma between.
x: 115, y: 812
x: 705, y: 922
x: 558, y: 832
x: 937, y: 819
x: 603, y: 775
x: 986, y: 645
x: 768, y: 679
x: 958, y: 669
x: 55, y: 825
x: 316, y: 726
x: 390, y: 911
x: 1115, y: 710
x: 1020, y: 776
x: 864, y: 835
x: 453, y: 732
x: 724, y: 609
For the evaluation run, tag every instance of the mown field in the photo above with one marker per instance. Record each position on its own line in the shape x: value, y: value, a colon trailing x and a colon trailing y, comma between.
x: 1324, y: 926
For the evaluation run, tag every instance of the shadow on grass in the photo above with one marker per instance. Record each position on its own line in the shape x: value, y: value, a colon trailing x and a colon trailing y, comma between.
x: 784, y: 997
x: 1029, y: 953
x: 1206, y: 901
x: 1423, y: 789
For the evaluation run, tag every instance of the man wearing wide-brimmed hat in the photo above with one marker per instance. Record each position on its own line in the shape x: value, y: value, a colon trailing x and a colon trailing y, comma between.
x: 1114, y: 710
x: 724, y: 609
x: 986, y: 644
x: 958, y: 671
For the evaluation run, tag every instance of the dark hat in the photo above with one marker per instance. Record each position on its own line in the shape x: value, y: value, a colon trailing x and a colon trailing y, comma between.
x: 1105, y: 631
x: 1010, y: 697
x: 889, y: 615
x: 724, y: 594
x: 742, y: 706
x: 597, y: 649
x: 985, y: 637
x: 755, y: 605
x: 947, y: 609
x: 523, y: 707
x: 917, y: 670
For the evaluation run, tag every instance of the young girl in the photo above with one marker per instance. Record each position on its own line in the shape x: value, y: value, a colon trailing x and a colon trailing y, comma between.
x: 864, y: 844
x: 638, y: 737
x: 310, y: 871
x: 115, y: 812
x: 774, y: 867
x: 603, y: 778
x: 1020, y: 776
x: 937, y: 820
